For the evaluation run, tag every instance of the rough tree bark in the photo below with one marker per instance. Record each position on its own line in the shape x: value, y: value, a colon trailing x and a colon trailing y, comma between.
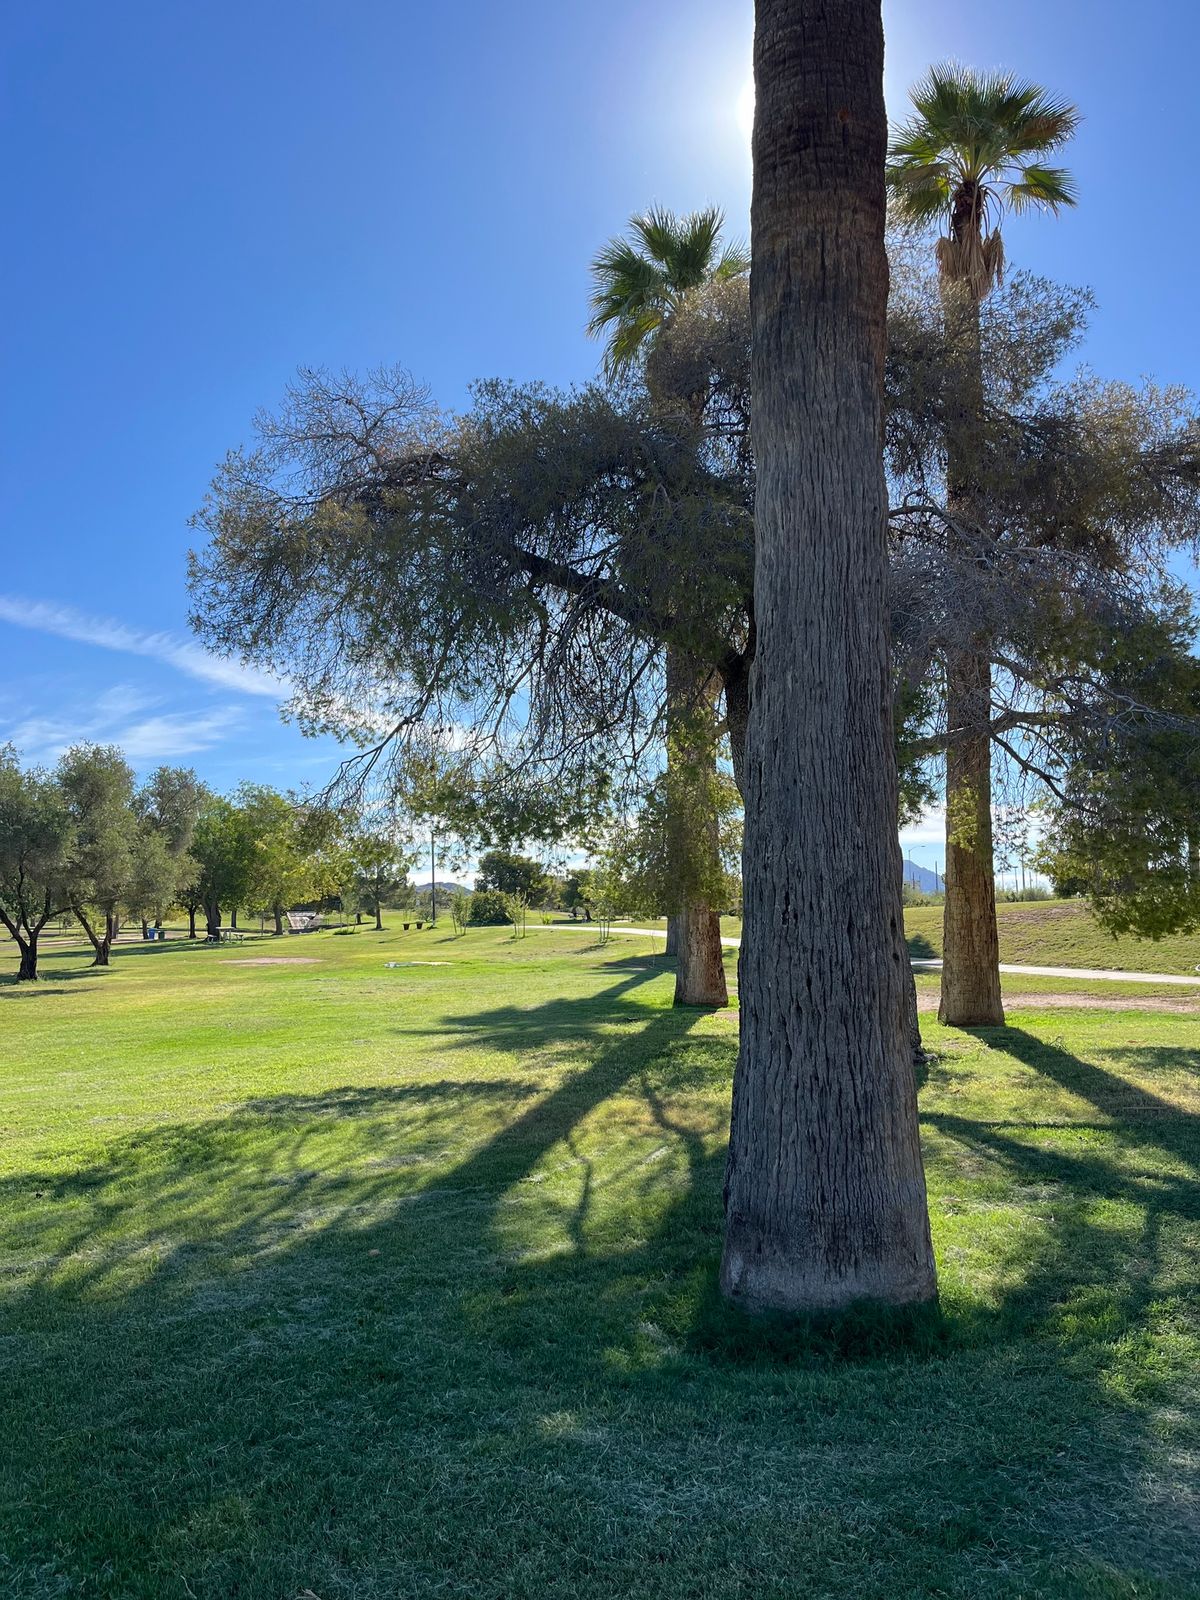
x: 26, y: 941
x: 101, y: 942
x: 970, y: 937
x: 212, y: 920
x: 825, y: 1191
x: 694, y: 845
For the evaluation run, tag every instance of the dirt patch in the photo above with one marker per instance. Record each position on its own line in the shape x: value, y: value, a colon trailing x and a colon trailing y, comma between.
x: 275, y: 961
x: 927, y: 1000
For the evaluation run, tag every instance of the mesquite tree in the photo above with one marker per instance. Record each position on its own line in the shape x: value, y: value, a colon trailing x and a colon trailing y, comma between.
x: 825, y: 1192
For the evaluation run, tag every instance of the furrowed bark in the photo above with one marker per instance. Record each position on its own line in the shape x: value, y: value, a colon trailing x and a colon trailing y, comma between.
x: 825, y: 1191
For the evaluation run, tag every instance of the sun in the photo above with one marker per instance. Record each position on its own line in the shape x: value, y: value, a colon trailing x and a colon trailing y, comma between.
x: 745, y: 109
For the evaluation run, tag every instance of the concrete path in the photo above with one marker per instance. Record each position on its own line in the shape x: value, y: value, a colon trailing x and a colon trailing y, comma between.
x: 1092, y: 974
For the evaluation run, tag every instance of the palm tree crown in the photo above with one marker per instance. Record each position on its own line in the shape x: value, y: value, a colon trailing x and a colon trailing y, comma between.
x: 638, y: 281
x: 975, y: 146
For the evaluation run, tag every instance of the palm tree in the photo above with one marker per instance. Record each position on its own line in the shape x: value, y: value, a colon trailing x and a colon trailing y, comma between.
x: 825, y: 1193
x: 639, y: 283
x: 975, y: 148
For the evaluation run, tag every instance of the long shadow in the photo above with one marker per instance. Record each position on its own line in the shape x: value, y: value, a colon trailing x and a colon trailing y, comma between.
x: 1138, y: 1116
x: 302, y: 1304
x: 919, y: 947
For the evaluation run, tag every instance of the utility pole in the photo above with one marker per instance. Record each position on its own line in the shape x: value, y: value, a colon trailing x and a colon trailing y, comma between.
x: 433, y: 880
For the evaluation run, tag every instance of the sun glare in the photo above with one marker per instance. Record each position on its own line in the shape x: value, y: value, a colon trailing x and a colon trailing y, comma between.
x: 745, y: 109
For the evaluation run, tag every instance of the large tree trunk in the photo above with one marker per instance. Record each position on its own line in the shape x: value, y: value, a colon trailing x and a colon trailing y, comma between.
x: 191, y: 911
x: 378, y: 915
x: 277, y: 912
x: 825, y: 1192
x: 27, y: 945
x: 970, y: 939
x: 212, y: 920
x: 693, y: 846
x: 233, y: 917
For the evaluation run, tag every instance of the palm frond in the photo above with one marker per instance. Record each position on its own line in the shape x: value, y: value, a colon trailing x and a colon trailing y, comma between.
x: 1051, y: 188
x: 636, y: 281
x: 921, y: 190
x: 734, y: 261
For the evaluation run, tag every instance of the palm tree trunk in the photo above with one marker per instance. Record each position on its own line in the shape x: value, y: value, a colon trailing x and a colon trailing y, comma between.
x: 970, y: 939
x: 694, y: 857
x: 825, y: 1191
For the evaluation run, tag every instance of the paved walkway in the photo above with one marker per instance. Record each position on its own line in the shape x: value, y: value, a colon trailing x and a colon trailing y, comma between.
x: 1092, y: 974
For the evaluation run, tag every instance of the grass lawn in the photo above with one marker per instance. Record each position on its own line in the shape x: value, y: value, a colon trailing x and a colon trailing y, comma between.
x: 324, y: 1279
x: 1054, y: 933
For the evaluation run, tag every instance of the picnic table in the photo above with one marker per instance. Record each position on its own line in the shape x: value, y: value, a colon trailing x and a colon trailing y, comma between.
x: 225, y: 936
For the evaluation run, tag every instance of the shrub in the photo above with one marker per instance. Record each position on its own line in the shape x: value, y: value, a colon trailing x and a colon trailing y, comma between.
x: 489, y: 909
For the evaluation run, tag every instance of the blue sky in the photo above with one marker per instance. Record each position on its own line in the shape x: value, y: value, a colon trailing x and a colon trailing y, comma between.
x: 202, y: 197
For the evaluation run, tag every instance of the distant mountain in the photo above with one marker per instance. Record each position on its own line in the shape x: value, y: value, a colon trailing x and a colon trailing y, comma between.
x: 923, y: 878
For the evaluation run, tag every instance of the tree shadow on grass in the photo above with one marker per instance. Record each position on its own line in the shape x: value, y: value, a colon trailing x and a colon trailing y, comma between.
x: 275, y: 1327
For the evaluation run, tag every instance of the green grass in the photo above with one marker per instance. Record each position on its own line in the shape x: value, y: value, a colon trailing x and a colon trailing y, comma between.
x: 358, y: 1282
x: 1059, y: 933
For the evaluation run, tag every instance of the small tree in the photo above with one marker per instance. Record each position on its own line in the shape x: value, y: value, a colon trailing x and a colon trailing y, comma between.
x: 169, y: 803
x: 97, y: 782
x: 225, y: 857
x: 36, y: 839
x: 380, y: 867
x: 517, y: 907
x: 153, y: 877
x: 460, y: 912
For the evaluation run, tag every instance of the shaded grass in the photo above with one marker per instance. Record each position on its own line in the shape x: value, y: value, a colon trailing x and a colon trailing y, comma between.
x: 378, y: 1283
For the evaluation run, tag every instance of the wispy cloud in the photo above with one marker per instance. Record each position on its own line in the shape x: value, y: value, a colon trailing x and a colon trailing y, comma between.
x: 65, y: 622
x: 144, y: 740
